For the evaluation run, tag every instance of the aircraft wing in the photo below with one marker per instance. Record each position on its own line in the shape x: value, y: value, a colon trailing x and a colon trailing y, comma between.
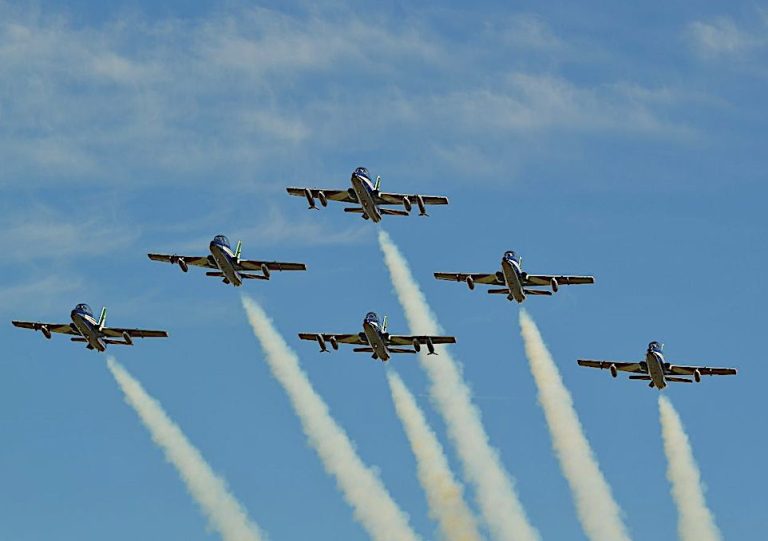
x: 332, y: 195
x: 250, y: 264
x: 703, y: 370
x: 358, y: 339
x: 190, y: 260
x: 61, y: 328
x: 385, y: 198
x: 407, y: 340
x: 117, y: 332
x: 546, y: 279
x: 490, y: 279
x: 635, y: 368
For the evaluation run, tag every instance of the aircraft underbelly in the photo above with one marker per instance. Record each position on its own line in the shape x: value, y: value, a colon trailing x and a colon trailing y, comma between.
x: 225, y: 266
x: 655, y: 370
x: 88, y: 332
x: 374, y: 339
x: 513, y: 281
x: 366, y: 200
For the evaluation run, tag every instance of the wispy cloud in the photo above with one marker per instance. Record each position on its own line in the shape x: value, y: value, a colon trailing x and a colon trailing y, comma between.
x: 240, y: 93
x: 43, y: 234
x: 722, y: 36
x: 45, y: 295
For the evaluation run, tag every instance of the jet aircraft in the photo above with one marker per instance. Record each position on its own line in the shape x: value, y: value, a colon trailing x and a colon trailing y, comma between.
x: 517, y: 284
x: 85, y: 328
x: 377, y: 340
x: 365, y: 192
x: 657, y: 370
x: 228, y: 264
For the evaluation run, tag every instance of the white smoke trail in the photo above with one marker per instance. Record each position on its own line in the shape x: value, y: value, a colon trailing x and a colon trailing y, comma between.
x: 497, y: 500
x: 223, y: 511
x: 598, y: 512
x: 444, y: 492
x: 373, y: 506
x: 695, y: 520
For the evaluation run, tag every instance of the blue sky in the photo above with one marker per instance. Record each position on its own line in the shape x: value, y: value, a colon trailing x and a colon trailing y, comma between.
x: 621, y: 141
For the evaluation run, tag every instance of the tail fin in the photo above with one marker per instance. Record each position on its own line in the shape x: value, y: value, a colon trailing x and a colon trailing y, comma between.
x: 378, y: 183
x: 103, y: 318
x: 238, y: 250
x: 384, y: 324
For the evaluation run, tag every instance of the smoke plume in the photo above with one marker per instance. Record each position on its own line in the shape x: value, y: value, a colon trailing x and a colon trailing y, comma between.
x: 695, y: 520
x: 598, y: 512
x: 500, y: 507
x: 373, y: 506
x: 223, y: 511
x: 444, y: 492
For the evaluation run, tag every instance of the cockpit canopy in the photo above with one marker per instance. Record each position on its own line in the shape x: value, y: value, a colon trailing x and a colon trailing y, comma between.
x: 371, y: 317
x: 655, y: 346
x: 362, y: 171
x: 512, y: 256
x: 221, y: 239
x: 84, y: 308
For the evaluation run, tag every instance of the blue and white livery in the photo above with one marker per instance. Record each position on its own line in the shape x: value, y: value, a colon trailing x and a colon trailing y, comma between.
x: 657, y: 370
x: 365, y: 192
x: 516, y: 283
x: 91, y: 331
x: 228, y: 264
x: 377, y: 341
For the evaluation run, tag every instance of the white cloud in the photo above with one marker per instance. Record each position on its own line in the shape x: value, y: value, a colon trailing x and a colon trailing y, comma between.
x: 237, y: 95
x: 44, y: 235
x: 723, y: 37
x: 45, y: 295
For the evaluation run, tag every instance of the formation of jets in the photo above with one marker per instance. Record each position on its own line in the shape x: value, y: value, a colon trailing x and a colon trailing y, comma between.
x: 370, y: 202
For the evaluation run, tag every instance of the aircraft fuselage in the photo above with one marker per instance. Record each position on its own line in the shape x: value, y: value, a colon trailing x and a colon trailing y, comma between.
x: 360, y: 185
x: 512, y: 278
x: 655, y: 362
x: 224, y: 259
x: 376, y: 340
x: 88, y: 327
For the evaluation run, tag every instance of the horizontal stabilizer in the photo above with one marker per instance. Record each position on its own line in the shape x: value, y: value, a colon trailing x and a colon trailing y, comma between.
x: 401, y: 350
x: 363, y: 350
x: 678, y: 380
x: 504, y: 291
x: 218, y: 274
x: 537, y: 292
x: 253, y: 277
x: 358, y: 210
x: 394, y: 212
x: 644, y: 378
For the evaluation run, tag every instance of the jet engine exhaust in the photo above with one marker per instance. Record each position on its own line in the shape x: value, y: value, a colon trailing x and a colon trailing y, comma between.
x: 695, y: 521
x: 372, y: 504
x: 598, y: 512
x: 224, y: 512
x: 498, y: 502
x: 444, y: 493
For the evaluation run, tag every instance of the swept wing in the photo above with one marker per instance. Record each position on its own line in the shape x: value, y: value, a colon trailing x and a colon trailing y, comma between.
x: 635, y: 368
x: 197, y: 261
x: 491, y: 279
x: 331, y: 195
x: 61, y: 328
